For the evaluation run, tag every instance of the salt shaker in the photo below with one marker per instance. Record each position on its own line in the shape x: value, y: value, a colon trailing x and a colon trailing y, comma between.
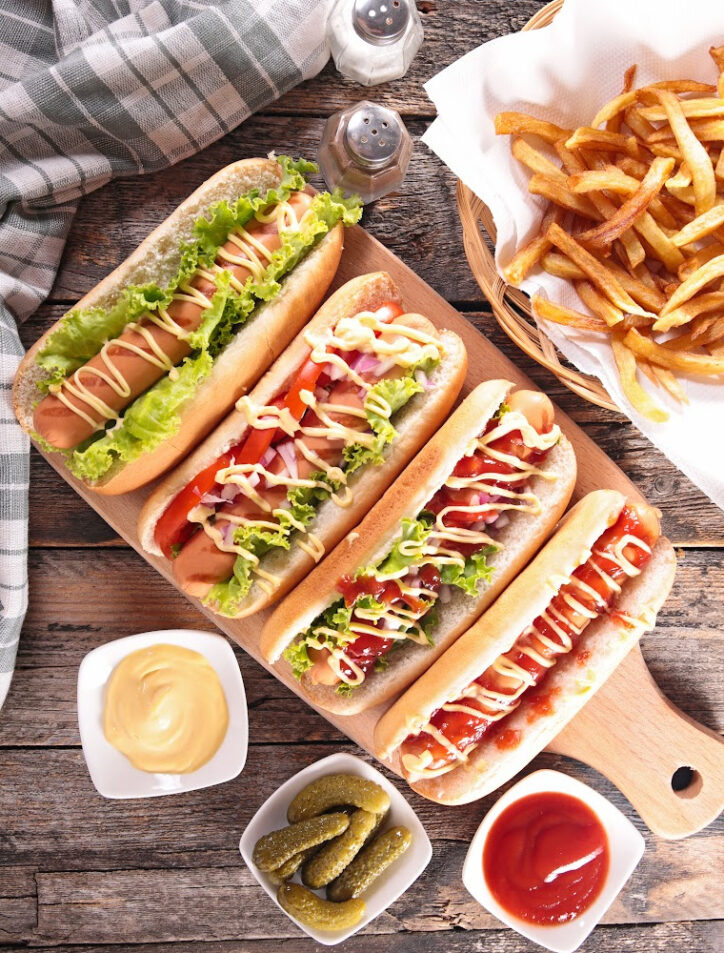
x: 365, y: 149
x: 374, y: 41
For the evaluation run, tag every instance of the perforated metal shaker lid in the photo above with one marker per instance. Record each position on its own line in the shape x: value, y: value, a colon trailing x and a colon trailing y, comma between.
x: 381, y: 21
x: 373, y: 135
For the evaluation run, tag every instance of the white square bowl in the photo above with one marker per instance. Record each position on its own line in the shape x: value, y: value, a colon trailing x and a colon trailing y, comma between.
x: 389, y: 886
x: 625, y: 844
x: 111, y: 772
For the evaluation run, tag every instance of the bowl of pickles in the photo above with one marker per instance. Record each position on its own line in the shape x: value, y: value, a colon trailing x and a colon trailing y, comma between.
x: 335, y: 846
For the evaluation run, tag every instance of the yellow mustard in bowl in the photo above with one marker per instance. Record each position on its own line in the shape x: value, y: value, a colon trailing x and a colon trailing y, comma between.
x: 165, y: 709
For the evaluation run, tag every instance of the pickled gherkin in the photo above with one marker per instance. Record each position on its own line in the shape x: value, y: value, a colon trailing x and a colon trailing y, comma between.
x: 313, y: 911
x: 369, y: 864
x: 291, y: 866
x: 274, y: 849
x: 337, y: 790
x: 330, y: 860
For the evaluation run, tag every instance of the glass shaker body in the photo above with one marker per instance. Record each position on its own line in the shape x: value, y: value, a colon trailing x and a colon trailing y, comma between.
x: 365, y: 149
x: 374, y: 41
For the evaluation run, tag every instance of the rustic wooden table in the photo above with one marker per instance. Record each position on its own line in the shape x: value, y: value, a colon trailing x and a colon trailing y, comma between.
x: 79, y: 871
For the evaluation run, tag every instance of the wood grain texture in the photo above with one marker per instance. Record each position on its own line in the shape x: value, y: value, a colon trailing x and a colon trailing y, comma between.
x: 79, y: 610
x: 59, y: 517
x: 171, y: 868
x: 362, y: 254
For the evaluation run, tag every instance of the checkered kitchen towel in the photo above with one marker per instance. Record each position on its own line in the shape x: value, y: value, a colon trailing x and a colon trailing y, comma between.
x: 91, y: 90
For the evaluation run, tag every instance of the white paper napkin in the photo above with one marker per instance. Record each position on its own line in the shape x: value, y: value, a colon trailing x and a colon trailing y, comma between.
x: 564, y: 73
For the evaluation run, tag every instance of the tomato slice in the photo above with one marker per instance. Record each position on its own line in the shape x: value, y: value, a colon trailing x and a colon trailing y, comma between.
x: 173, y: 528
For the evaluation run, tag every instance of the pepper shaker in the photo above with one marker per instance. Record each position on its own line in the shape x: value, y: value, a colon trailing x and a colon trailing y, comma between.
x: 365, y: 149
x: 374, y: 41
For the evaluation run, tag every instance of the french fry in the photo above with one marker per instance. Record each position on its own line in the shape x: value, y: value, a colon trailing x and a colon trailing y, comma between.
x: 637, y: 203
x: 700, y: 227
x: 643, y: 203
x: 700, y: 258
x: 693, y: 152
x: 601, y: 277
x: 561, y: 266
x: 559, y: 314
x: 702, y: 276
x: 717, y: 54
x: 534, y: 160
x: 660, y: 243
x: 512, y: 123
x: 705, y: 130
x: 600, y: 306
x: 525, y: 259
x: 558, y: 192
x: 714, y: 301
x: 585, y: 137
x: 692, y: 109
x: 636, y: 395
x: 698, y: 364
x: 666, y: 379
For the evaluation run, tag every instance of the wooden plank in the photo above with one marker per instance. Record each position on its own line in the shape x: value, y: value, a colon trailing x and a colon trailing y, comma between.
x: 451, y: 30
x: 59, y: 517
x: 206, y: 902
x: 76, y: 609
x: 696, y: 937
x: 363, y: 253
x: 18, y: 900
x: 419, y: 221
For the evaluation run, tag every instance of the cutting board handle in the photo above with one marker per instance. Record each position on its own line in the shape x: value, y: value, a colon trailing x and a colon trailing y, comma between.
x: 632, y: 733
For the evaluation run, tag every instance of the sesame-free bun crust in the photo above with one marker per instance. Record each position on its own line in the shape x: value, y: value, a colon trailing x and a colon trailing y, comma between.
x: 569, y: 683
x: 414, y: 423
x: 264, y: 336
x: 373, y: 538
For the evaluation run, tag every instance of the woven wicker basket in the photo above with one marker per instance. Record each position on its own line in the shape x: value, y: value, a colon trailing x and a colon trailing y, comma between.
x: 510, y: 306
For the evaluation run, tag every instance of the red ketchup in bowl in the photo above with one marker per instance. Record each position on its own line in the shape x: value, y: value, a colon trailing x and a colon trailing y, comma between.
x: 546, y: 858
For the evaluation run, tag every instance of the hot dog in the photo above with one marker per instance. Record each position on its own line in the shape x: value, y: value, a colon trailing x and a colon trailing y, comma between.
x: 305, y: 454
x: 153, y: 357
x: 509, y: 685
x: 446, y: 538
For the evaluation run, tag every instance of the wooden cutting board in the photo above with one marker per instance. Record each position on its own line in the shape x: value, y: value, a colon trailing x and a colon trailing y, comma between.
x: 628, y: 731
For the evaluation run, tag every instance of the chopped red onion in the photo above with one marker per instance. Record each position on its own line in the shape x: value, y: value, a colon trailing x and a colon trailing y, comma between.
x: 253, y: 479
x: 211, y: 499
x: 229, y: 491
x: 444, y: 594
x: 287, y: 452
x: 268, y: 457
x: 365, y: 362
x: 335, y: 373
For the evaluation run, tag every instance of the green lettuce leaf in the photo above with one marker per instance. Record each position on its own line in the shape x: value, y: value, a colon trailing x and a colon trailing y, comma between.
x: 150, y: 419
x: 336, y: 616
x: 396, y: 391
x: 155, y: 415
x: 226, y: 597
x: 467, y: 577
x: 415, y: 530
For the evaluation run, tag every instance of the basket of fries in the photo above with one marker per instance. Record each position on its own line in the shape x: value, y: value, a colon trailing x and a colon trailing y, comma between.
x: 634, y: 221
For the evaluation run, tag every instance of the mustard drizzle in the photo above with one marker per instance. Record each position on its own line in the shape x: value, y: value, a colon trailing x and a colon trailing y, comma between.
x: 265, y: 417
x: 497, y: 704
x: 254, y: 256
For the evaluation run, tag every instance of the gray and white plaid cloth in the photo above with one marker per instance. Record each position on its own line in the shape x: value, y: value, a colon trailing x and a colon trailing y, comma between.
x: 91, y: 90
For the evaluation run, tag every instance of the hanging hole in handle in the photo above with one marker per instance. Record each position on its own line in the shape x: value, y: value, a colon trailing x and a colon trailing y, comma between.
x: 686, y: 782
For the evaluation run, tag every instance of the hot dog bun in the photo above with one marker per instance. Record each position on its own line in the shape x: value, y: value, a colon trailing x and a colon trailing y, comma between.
x: 373, y: 538
x: 569, y: 682
x: 414, y: 423
x: 267, y: 332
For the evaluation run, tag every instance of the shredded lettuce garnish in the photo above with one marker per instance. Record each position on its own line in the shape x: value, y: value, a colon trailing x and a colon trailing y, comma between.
x: 467, y: 578
x: 226, y: 597
x: 155, y: 415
